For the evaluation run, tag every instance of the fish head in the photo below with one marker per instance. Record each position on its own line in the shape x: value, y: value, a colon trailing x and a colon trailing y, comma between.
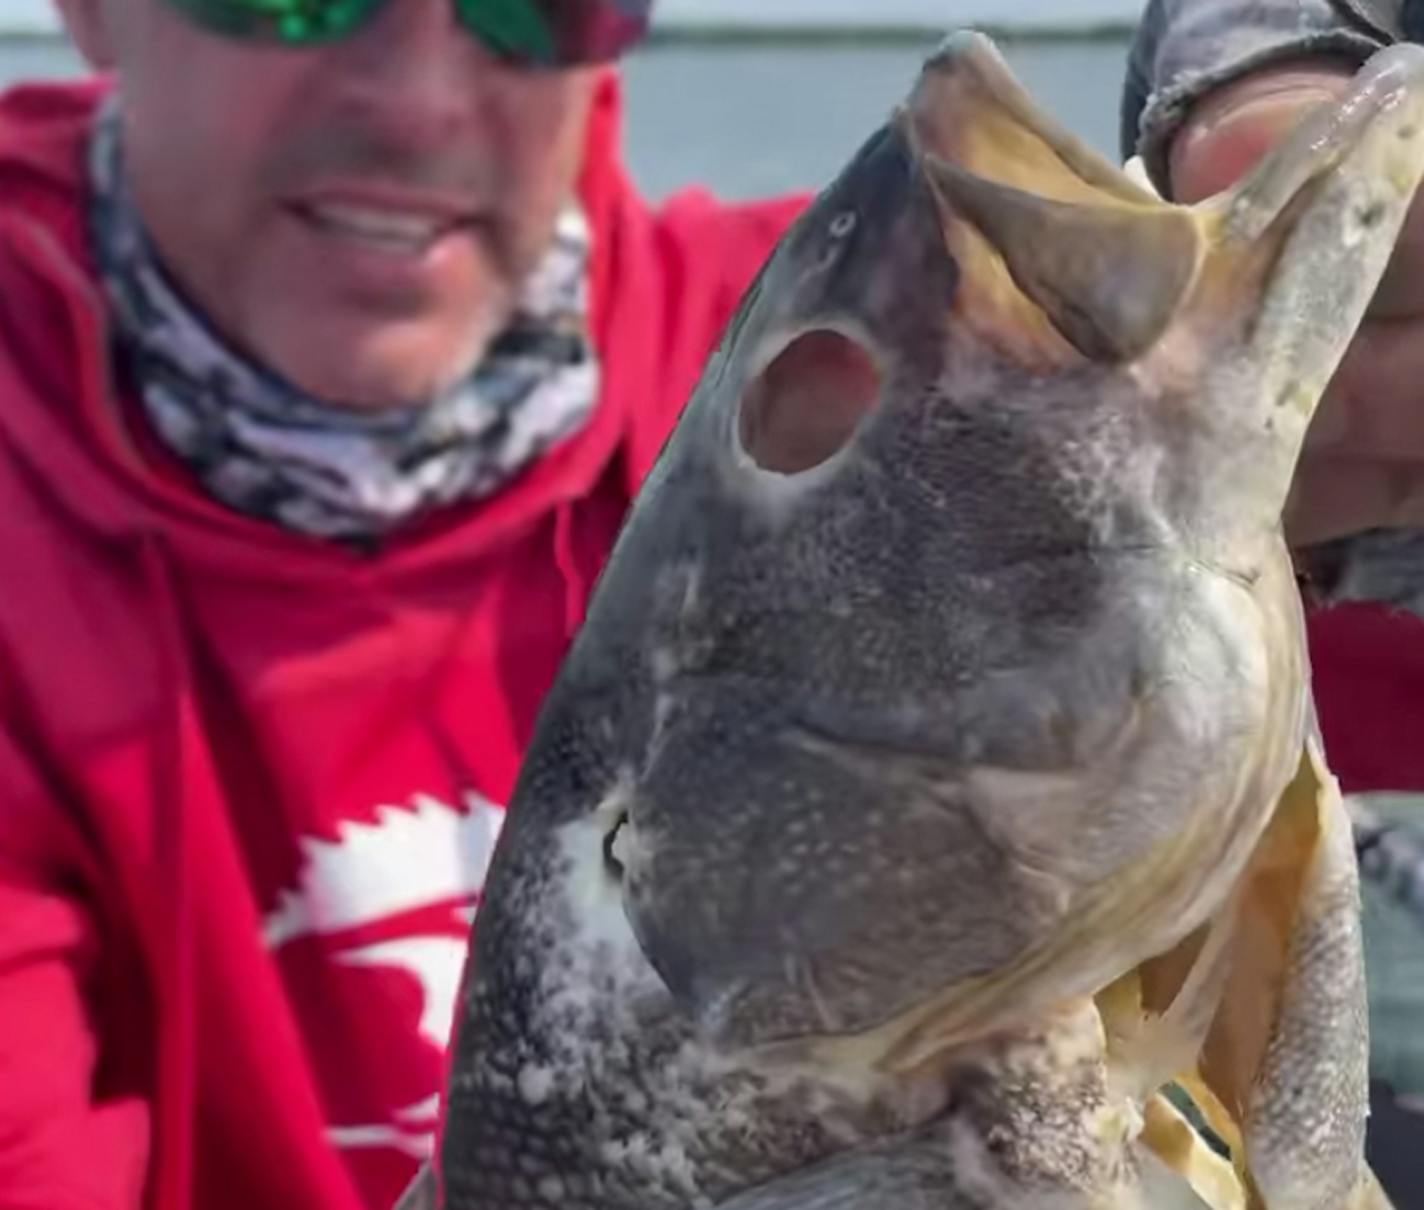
x: 926, y: 522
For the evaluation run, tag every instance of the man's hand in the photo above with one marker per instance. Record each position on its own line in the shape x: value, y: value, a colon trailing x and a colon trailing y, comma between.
x: 1363, y: 465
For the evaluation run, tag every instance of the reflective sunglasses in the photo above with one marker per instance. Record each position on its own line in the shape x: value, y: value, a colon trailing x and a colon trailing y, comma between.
x: 529, y: 33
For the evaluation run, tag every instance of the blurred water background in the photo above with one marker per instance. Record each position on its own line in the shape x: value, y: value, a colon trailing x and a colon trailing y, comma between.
x: 750, y: 110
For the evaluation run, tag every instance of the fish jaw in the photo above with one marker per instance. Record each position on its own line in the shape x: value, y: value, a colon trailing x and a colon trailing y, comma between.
x: 1227, y: 318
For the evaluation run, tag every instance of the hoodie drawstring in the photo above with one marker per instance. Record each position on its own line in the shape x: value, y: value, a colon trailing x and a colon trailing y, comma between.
x: 566, y: 560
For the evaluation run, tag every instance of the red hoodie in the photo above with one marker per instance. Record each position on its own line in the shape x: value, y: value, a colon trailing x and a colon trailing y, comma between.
x: 249, y: 781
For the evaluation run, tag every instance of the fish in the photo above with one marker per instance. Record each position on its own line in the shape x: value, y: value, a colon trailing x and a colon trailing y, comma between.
x: 931, y: 811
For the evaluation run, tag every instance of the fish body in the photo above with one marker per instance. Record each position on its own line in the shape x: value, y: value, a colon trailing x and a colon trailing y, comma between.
x: 934, y: 779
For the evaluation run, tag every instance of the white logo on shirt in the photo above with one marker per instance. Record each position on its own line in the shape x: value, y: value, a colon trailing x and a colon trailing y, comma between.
x: 427, y: 855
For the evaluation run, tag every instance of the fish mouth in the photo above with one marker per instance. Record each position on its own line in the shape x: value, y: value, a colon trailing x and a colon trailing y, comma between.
x: 968, y: 109
x: 1124, y: 265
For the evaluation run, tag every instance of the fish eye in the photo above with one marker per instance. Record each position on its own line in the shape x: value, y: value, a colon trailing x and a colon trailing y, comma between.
x: 843, y: 224
x: 806, y: 405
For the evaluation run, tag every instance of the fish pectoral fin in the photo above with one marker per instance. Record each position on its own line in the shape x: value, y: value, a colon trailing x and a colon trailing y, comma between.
x: 1151, y: 1047
x: 1370, y: 1195
x: 1308, y: 1098
x: 1281, y: 1078
x: 1168, y: 1134
x: 1148, y: 1050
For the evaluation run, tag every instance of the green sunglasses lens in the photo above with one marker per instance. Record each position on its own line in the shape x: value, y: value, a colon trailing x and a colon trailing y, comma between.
x: 290, y: 22
x: 539, y: 33
x: 512, y: 29
x: 556, y: 33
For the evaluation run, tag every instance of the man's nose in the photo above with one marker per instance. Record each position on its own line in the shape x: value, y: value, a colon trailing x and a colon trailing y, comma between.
x: 417, y: 72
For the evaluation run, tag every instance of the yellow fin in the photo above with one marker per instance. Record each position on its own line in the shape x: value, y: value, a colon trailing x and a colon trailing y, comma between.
x: 1173, y: 1140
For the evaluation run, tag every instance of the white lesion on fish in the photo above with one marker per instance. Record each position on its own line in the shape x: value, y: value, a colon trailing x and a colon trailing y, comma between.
x: 1026, y: 1108
x: 667, y: 1111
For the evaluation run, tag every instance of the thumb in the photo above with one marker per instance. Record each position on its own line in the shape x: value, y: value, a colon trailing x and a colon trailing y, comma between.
x: 1232, y: 127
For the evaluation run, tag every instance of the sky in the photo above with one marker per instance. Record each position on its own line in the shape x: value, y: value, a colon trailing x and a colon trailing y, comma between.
x: 37, y: 14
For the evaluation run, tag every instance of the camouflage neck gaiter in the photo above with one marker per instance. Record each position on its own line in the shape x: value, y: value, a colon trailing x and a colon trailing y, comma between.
x: 267, y: 449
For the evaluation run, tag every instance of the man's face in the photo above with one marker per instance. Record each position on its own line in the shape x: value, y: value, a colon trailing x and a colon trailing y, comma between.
x: 358, y: 216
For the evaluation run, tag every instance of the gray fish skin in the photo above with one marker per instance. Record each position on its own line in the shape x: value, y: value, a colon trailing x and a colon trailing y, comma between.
x: 948, y: 667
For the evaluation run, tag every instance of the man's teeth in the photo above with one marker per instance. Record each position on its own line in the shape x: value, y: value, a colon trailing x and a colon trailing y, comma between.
x: 387, y: 227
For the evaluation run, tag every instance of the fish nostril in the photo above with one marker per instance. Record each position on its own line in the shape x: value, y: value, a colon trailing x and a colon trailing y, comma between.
x: 614, y: 844
x: 805, y: 406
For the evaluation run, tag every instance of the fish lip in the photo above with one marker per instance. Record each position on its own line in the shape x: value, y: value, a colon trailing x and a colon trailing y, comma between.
x: 967, y: 70
x: 929, y: 123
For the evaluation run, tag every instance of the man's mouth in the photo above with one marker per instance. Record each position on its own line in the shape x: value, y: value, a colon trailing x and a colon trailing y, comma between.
x: 403, y: 233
